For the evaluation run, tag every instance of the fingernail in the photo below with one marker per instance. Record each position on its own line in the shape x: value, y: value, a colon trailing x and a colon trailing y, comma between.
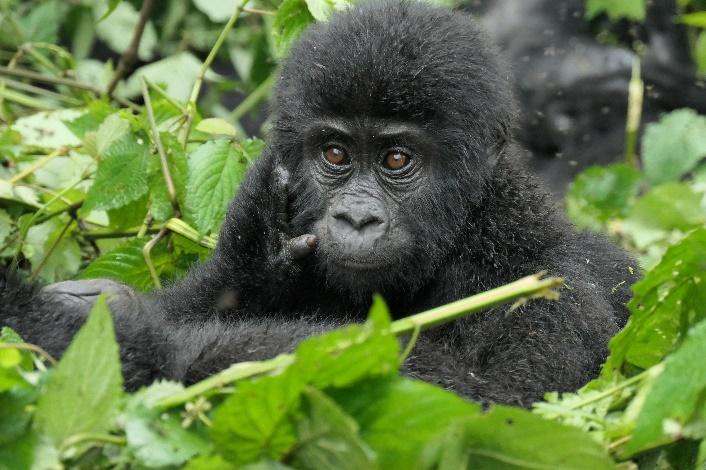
x: 311, y: 241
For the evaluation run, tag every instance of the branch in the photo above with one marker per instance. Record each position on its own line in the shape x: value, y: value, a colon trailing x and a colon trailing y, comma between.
x: 196, y: 90
x: 130, y: 54
x: 527, y: 287
x: 171, y: 189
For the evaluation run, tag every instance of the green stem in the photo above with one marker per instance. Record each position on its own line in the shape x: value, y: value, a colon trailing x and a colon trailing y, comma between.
x: 253, y: 99
x: 530, y: 286
x: 180, y: 227
x: 612, y: 390
x: 196, y: 89
x: 171, y: 189
x: 235, y: 372
x: 632, y: 126
x: 527, y: 287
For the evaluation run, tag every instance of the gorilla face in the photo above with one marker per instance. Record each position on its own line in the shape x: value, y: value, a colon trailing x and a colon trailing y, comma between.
x: 371, y: 173
x: 368, y: 178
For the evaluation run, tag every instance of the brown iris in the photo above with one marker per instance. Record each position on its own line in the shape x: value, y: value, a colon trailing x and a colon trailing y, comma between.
x: 335, y: 155
x: 396, y: 160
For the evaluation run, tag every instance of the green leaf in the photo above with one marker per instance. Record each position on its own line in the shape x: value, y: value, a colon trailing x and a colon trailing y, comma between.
x: 667, y: 302
x: 511, y: 438
x: 176, y: 72
x: 112, y: 5
x: 6, y: 224
x: 65, y: 258
x: 601, y: 193
x: 292, y: 18
x: 122, y: 176
x: 671, y: 206
x: 216, y: 126
x: 398, y: 417
x: 95, y: 114
x: 215, y: 171
x: 346, y: 355
x: 83, y: 392
x: 112, y: 129
x: 616, y: 9
x: 328, y: 437
x: 673, y: 146
x: 256, y: 421
x: 41, y: 24
x: 15, y: 414
x: 218, y: 12
x: 696, y: 19
x: 127, y: 264
x: 158, y: 439
x: 700, y: 52
x: 677, y: 395
x: 321, y: 10
x: 48, y: 129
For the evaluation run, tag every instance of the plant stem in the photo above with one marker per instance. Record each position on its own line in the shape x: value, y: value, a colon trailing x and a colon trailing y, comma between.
x: 146, y: 253
x: 235, y: 372
x: 38, y: 164
x: 616, y: 388
x: 50, y: 251
x: 130, y: 54
x: 31, y: 75
x: 196, y: 89
x: 180, y: 227
x: 636, y: 93
x: 171, y: 189
x: 530, y: 286
x: 30, y: 347
x: 253, y: 98
x: 527, y: 287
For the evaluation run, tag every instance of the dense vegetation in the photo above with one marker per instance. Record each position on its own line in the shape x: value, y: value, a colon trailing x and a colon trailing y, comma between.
x: 93, y: 184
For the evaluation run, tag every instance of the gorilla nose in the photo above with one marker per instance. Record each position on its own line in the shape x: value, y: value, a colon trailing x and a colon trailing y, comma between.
x: 360, y: 220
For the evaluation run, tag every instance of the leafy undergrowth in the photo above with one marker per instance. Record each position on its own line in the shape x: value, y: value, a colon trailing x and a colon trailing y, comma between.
x: 84, y: 189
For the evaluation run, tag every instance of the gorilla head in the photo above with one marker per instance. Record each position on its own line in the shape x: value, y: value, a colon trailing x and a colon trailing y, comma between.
x: 387, y: 119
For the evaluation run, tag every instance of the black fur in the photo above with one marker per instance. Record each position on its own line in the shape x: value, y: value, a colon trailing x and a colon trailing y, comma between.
x: 478, y: 222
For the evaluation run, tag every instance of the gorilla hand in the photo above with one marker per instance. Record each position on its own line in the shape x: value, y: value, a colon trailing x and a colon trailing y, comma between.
x: 286, y: 250
x: 79, y: 296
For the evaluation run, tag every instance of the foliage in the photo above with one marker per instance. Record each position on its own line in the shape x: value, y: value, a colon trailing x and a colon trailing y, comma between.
x: 87, y: 181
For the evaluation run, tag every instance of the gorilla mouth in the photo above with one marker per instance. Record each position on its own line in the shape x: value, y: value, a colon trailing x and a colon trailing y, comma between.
x: 358, y: 264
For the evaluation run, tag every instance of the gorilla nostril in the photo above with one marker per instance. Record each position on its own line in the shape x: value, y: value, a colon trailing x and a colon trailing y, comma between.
x: 358, y: 221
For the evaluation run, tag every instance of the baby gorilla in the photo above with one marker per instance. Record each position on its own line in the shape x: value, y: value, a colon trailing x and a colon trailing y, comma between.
x: 390, y: 169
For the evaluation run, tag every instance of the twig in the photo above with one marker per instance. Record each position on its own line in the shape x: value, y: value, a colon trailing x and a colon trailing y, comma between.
x: 160, y: 91
x: 50, y: 251
x: 30, y: 347
x: 257, y: 11
x: 171, y: 189
x: 40, y: 91
x: 180, y: 227
x: 196, y: 89
x: 146, y: 253
x: 252, y: 99
x: 130, y: 54
x: 100, y: 234
x: 636, y: 91
x: 530, y: 286
x: 38, y: 164
x: 31, y: 75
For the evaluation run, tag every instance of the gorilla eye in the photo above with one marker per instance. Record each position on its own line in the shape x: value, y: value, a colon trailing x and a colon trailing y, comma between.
x: 396, y: 160
x: 335, y: 155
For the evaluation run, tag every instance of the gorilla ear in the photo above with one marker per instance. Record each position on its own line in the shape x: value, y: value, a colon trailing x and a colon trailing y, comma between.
x: 500, y: 144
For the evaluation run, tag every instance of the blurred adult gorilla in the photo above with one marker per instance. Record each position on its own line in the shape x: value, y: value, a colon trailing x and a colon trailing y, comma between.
x: 389, y: 169
x: 573, y: 89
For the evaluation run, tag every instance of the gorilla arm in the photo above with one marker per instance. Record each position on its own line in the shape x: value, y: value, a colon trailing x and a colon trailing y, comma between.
x: 202, y: 323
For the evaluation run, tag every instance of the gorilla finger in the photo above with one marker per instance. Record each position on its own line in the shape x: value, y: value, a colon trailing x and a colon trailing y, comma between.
x: 302, y: 245
x: 280, y: 194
